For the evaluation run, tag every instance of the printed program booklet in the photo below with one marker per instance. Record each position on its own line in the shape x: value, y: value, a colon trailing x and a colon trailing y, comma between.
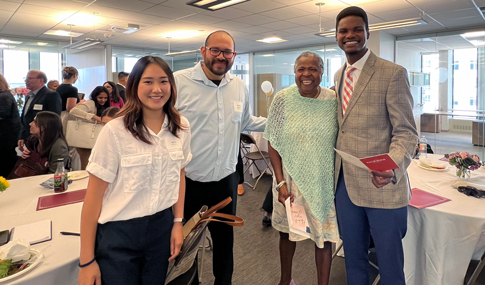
x: 297, y: 219
x: 381, y: 162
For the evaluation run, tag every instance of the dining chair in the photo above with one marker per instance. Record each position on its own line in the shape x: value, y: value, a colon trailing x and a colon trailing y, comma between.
x: 186, y: 265
x: 371, y: 250
x: 253, y: 156
x: 477, y: 271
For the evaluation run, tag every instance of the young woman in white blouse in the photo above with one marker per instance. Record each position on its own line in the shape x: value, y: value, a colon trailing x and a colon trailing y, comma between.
x: 131, y: 222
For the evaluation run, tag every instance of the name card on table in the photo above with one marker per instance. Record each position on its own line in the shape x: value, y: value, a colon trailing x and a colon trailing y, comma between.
x: 421, y: 199
x: 34, y: 232
x: 57, y: 200
x: 297, y: 219
x: 381, y: 162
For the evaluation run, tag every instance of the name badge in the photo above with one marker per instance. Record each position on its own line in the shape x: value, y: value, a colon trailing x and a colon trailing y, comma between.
x: 38, y: 107
x: 173, y: 143
x: 238, y: 107
x: 177, y: 155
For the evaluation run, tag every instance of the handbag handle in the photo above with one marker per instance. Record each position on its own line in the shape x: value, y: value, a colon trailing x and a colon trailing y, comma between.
x: 216, y: 207
x: 232, y: 220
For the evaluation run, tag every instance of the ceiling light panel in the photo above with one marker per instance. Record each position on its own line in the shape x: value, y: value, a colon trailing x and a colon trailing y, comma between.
x: 272, y: 40
x: 181, y: 34
x: 63, y: 33
x: 214, y: 5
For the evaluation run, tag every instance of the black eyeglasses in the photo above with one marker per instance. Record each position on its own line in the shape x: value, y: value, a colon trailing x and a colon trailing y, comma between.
x: 471, y: 191
x: 228, y: 54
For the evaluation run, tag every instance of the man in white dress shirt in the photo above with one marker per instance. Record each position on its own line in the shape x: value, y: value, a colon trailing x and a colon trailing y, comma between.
x: 216, y: 103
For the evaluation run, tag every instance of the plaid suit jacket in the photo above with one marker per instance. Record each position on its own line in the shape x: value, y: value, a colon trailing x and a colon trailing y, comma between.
x: 378, y: 119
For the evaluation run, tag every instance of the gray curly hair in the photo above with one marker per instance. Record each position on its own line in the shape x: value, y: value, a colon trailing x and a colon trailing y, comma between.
x: 309, y: 54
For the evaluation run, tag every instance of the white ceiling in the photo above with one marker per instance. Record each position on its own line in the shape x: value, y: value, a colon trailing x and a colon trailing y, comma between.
x: 293, y: 20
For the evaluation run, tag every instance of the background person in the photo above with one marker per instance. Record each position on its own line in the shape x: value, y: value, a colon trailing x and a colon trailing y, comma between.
x: 131, y: 222
x: 109, y: 114
x: 47, y: 139
x: 216, y: 103
x: 69, y: 94
x: 122, y: 79
x: 114, y: 95
x: 9, y: 128
x: 301, y: 133
x: 40, y: 98
x: 53, y: 84
x: 378, y: 118
x: 91, y: 111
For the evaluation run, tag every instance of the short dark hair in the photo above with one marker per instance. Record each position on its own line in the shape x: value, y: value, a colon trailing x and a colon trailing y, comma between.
x: 42, y: 76
x: 122, y: 75
x: 353, y: 11
x: 219, y: 32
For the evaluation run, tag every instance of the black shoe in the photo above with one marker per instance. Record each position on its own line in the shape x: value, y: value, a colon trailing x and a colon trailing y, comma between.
x: 266, y: 221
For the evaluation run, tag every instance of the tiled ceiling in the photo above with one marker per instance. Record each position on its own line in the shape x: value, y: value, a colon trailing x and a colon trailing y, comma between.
x: 294, y: 20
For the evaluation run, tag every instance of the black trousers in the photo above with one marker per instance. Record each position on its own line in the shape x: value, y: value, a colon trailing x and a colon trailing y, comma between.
x: 268, y: 200
x: 198, y: 194
x: 135, y: 251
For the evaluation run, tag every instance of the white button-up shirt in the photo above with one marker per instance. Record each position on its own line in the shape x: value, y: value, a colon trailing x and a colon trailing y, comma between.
x: 143, y: 178
x: 217, y: 115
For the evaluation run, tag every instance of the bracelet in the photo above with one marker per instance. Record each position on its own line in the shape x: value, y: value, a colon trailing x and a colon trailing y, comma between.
x: 86, y: 264
x: 280, y: 185
x: 178, y: 220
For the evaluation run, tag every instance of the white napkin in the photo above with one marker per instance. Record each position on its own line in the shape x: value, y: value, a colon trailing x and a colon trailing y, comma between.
x: 431, y: 164
x: 476, y: 182
x: 16, y: 250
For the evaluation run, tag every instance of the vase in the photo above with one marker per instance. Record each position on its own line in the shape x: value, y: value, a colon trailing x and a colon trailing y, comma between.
x: 463, y: 173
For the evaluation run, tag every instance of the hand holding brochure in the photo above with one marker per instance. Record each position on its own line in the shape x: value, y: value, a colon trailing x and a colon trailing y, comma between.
x: 297, y: 219
x: 381, y: 162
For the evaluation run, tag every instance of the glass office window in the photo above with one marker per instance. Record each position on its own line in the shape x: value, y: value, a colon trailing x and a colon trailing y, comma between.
x: 114, y: 64
x: 129, y: 63
x: 50, y: 64
x: 15, y: 66
x: 465, y: 79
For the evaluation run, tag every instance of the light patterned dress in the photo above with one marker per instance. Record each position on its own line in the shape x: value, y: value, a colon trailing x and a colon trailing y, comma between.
x: 320, y: 232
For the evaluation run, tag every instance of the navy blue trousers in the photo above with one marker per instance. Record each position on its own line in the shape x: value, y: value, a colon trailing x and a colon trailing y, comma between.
x: 387, y: 227
x: 135, y: 251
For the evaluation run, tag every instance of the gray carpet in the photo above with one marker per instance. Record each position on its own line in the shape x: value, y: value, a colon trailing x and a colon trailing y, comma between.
x: 256, y: 253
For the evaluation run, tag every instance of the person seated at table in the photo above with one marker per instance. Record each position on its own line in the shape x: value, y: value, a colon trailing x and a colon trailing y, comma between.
x: 128, y: 229
x: 90, y: 110
x: 114, y: 95
x: 109, y: 114
x: 301, y: 133
x: 47, y: 139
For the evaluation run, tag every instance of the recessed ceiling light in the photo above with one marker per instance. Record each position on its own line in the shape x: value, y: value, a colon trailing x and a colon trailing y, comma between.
x: 272, y: 40
x: 474, y: 34
x: 77, y: 19
x: 63, y: 33
x: 5, y: 41
x: 267, y: 55
x: 213, y: 5
x: 477, y: 42
x: 181, y: 34
x: 42, y: 44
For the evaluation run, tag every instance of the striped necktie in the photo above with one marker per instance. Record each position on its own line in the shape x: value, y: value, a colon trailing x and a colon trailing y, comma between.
x: 348, y: 88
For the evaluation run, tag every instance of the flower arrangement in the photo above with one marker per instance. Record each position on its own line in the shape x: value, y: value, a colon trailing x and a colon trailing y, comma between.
x: 19, y: 93
x: 4, y: 184
x: 464, y: 163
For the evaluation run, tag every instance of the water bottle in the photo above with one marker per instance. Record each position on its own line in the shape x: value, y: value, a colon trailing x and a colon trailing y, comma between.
x: 60, y: 177
x: 423, y: 147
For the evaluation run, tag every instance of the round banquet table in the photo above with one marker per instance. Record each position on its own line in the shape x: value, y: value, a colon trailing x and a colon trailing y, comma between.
x: 442, y: 239
x: 61, y: 255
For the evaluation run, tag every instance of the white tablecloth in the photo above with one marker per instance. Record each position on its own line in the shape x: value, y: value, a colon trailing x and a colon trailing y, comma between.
x: 441, y: 240
x: 18, y: 207
x: 263, y: 146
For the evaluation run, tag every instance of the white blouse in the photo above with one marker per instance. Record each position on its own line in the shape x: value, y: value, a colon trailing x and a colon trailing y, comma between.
x: 144, y: 178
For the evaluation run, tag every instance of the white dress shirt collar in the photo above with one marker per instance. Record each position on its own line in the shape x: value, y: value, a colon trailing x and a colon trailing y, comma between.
x: 359, y: 64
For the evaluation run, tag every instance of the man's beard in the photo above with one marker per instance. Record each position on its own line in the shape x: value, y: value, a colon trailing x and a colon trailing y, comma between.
x: 209, y: 65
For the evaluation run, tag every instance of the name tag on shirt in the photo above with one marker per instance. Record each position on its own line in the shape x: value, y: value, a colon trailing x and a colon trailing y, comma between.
x: 177, y: 155
x: 173, y: 143
x: 38, y: 107
x: 238, y: 107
